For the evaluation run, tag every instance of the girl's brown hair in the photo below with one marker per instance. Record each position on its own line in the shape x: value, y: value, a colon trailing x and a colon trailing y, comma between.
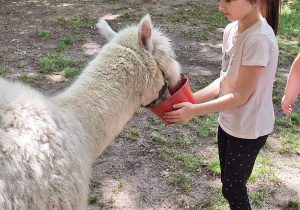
x: 270, y: 10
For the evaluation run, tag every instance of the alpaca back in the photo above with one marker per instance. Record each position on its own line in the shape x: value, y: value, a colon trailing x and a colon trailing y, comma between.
x: 36, y: 160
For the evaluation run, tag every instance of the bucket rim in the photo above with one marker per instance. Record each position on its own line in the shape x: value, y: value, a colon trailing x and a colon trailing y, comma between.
x: 185, y: 80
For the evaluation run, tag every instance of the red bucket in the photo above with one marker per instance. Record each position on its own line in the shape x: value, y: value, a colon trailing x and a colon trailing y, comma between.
x: 180, y: 93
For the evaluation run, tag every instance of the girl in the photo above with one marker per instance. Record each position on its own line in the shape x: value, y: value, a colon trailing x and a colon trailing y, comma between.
x: 292, y: 87
x: 250, y: 54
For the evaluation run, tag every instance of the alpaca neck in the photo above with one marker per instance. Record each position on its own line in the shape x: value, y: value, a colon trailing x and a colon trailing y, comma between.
x: 102, y: 105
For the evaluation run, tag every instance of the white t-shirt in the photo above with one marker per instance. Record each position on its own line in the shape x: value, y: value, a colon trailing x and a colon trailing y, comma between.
x: 256, y: 46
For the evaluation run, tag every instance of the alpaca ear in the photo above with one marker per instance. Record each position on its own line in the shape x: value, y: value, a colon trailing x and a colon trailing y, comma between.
x: 145, y: 33
x: 105, y: 29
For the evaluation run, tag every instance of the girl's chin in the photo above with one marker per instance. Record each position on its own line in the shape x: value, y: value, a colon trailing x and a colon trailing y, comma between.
x: 230, y: 19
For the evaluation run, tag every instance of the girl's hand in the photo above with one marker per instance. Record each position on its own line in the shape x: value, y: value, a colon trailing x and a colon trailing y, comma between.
x: 286, y: 106
x: 184, y: 113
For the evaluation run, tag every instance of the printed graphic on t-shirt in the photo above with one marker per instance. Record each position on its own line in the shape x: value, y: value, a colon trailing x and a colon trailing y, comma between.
x: 228, y: 60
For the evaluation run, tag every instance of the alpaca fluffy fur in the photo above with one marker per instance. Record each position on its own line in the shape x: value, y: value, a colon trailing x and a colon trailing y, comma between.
x: 48, y: 144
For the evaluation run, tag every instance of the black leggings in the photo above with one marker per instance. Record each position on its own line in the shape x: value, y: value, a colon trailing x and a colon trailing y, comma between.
x: 237, y: 157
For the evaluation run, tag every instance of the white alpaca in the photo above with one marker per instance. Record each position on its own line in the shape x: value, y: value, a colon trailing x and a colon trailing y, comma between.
x: 48, y: 145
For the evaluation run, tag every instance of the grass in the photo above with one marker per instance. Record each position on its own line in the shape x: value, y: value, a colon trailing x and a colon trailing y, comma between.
x: 208, y: 125
x: 120, y: 185
x: 133, y: 134
x: 3, y: 69
x: 294, y: 204
x: 214, y: 166
x: 129, y: 16
x: 197, y: 15
x: 54, y: 62
x: 179, y: 160
x: 158, y: 138
x: 98, y: 181
x: 65, y: 62
x: 22, y: 64
x: 286, y: 130
x: 111, y: 200
x: 6, y: 49
x: 30, y: 79
x: 183, y: 181
x: 48, y: 64
x: 194, y: 14
x: 289, y: 31
x: 202, y: 81
x: 215, y: 200
x: 202, y: 36
x: 44, y: 34
x: 261, y: 168
x: 71, y: 73
x: 279, y: 86
x: 216, y: 20
x: 76, y: 22
x: 258, y: 198
x: 154, y: 120
x: 63, y: 44
x: 93, y: 199
x: 98, y: 195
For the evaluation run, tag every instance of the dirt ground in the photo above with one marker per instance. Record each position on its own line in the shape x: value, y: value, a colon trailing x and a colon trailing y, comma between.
x: 134, y: 165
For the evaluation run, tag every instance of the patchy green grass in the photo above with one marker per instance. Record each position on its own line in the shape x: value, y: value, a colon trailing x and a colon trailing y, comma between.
x: 286, y: 130
x: 44, y: 34
x: 75, y: 23
x: 3, y: 69
x: 98, y: 181
x: 183, y: 181
x: 133, y: 134
x: 93, y: 199
x: 216, y: 20
x: 207, y: 127
x: 279, y: 86
x: 22, y: 64
x: 129, y: 16
x: 258, y: 198
x: 294, y: 203
x: 63, y: 44
x: 29, y: 79
x: 55, y: 63
x: 178, y: 159
x: 71, y: 73
x: 215, y: 200
x: 214, y: 166
x: 65, y: 62
x: 48, y: 64
x: 158, y: 138
x: 7, y: 49
x: 111, y: 200
x: 261, y: 168
x: 289, y: 31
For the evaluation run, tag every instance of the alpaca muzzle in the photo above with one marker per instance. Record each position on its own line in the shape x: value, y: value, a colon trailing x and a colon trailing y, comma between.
x: 162, y: 95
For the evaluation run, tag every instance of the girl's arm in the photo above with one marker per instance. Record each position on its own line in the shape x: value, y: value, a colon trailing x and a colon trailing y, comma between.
x: 208, y: 92
x: 292, y: 87
x: 246, y: 83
